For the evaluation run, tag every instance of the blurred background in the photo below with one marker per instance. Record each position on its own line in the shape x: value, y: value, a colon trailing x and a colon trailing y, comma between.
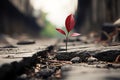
x: 39, y: 18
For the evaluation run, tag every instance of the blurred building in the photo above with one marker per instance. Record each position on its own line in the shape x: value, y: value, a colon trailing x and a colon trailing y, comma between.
x: 91, y: 14
x: 16, y: 18
x: 24, y: 6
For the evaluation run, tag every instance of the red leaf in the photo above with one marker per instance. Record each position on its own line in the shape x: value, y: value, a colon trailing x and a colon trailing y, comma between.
x: 74, y: 34
x: 61, y: 31
x: 70, y: 22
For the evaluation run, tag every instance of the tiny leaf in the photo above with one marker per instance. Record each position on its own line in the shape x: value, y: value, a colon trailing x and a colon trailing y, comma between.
x: 61, y: 31
x: 69, y: 23
x: 74, y: 34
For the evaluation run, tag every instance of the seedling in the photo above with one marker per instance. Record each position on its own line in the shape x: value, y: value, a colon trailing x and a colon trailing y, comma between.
x: 69, y: 24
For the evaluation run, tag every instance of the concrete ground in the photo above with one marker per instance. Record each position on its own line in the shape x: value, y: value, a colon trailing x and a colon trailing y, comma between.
x: 79, y: 71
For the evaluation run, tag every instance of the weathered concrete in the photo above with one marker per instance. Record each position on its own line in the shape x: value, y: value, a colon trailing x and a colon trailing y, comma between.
x: 90, y: 72
x: 8, y: 55
x: 98, y: 70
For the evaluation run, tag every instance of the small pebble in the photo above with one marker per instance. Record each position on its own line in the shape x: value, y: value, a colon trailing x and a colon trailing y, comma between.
x: 22, y: 77
x: 10, y: 56
x: 117, y: 60
x: 58, y: 74
x: 76, y: 60
x: 26, y: 42
x: 9, y: 46
x: 92, y: 59
x: 66, y: 68
x: 45, y: 73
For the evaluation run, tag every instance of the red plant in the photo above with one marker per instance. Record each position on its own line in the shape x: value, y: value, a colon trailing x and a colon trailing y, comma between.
x: 69, y: 23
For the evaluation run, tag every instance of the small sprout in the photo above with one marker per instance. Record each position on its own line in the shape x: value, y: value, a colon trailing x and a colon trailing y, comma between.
x: 69, y: 23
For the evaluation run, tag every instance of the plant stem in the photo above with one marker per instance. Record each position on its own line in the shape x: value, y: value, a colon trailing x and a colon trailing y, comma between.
x: 66, y: 41
x: 66, y: 44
